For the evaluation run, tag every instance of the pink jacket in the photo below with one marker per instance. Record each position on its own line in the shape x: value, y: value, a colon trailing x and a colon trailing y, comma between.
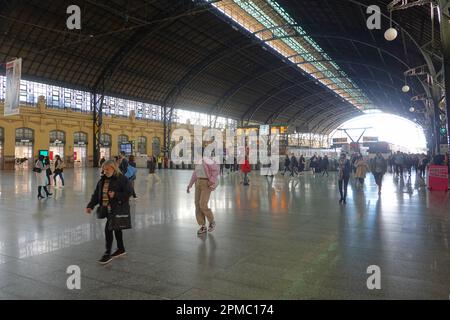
x: 212, y: 172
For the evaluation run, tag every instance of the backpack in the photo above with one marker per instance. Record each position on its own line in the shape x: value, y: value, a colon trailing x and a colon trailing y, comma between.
x: 214, y: 170
x: 131, y: 173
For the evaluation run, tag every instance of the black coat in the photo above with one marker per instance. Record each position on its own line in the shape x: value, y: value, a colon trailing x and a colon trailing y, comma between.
x: 151, y: 166
x: 122, y: 188
x: 123, y: 166
x: 287, y: 162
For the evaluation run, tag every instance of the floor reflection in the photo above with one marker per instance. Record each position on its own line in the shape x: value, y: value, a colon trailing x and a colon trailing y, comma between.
x: 30, y: 227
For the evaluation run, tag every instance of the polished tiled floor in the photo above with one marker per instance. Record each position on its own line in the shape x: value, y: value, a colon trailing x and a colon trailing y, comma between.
x: 285, y: 239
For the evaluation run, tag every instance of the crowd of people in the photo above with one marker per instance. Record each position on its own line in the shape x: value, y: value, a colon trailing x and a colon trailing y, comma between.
x: 400, y: 163
x: 359, y: 166
x: 115, y: 187
x: 317, y: 164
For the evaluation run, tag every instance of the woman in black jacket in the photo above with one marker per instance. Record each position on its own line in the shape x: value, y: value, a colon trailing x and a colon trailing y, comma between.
x: 112, y: 195
x: 48, y: 170
x: 345, y: 170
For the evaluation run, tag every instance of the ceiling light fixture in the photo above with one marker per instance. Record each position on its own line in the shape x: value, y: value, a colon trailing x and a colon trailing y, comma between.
x: 391, y: 33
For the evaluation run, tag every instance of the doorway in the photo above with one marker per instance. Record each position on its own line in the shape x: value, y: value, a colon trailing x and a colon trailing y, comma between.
x: 80, y: 149
x: 23, y: 152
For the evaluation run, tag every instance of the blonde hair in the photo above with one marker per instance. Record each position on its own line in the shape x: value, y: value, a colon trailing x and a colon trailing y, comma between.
x: 112, y: 164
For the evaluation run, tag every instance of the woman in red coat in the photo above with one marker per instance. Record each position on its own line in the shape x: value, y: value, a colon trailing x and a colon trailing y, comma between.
x: 246, y: 168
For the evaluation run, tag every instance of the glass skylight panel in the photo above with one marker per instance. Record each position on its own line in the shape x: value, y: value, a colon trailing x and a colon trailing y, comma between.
x: 303, y: 44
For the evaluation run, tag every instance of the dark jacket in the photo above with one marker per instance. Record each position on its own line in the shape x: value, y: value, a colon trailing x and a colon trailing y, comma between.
x: 294, y: 161
x: 123, y: 166
x: 287, y: 162
x: 122, y: 188
x: 151, y: 166
x: 301, y: 163
x: 346, y: 170
x: 373, y: 165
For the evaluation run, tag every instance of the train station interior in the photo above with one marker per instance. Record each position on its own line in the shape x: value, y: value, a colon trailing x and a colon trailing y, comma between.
x: 314, y: 150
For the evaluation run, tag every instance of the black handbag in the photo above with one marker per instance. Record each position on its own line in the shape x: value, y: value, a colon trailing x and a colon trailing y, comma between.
x: 36, y: 169
x: 120, y: 221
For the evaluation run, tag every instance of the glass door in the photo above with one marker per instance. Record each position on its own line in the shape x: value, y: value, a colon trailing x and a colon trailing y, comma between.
x: 80, y: 155
x: 24, y: 155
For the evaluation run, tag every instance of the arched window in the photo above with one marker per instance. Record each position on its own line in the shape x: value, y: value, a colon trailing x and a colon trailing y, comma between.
x: 80, y: 138
x: 122, y: 138
x: 24, y: 135
x: 142, y: 145
x: 156, y: 146
x: 57, y: 136
x: 105, y: 140
x: 2, y: 135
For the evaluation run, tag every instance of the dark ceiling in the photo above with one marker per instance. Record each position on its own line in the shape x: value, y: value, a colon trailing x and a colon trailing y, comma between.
x: 185, y: 54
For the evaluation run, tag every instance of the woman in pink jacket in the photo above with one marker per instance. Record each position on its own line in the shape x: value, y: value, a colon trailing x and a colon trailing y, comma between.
x: 205, y: 177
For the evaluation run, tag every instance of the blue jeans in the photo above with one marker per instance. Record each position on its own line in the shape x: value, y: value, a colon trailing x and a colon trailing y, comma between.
x: 343, y: 184
x: 60, y: 176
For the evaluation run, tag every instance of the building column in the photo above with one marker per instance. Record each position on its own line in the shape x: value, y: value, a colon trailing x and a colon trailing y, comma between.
x: 445, y: 39
x: 9, y: 148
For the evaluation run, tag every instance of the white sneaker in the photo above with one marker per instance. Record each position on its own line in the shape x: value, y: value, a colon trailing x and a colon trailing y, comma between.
x: 201, y: 230
x: 212, y: 226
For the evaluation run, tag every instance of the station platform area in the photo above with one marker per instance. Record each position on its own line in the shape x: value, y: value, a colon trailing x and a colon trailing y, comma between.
x: 286, y: 238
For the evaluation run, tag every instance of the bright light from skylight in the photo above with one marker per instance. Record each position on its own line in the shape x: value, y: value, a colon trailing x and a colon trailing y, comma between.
x: 405, y: 134
x: 372, y: 111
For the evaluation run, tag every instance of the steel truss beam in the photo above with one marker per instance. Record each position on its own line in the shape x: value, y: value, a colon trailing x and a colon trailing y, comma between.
x: 405, y: 4
x: 97, y: 101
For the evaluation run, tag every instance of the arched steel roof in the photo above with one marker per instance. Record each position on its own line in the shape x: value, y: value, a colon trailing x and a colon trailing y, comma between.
x: 185, y: 54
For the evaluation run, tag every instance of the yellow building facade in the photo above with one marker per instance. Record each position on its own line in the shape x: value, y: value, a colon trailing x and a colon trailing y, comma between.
x: 70, y: 133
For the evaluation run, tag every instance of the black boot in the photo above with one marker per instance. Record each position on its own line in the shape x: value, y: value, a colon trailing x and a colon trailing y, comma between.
x: 39, y: 193
x: 47, y: 193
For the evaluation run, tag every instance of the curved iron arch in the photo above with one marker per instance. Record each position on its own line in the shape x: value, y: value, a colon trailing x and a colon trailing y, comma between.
x: 290, y: 65
x: 279, y: 112
x: 274, y: 116
x: 313, y: 80
x: 323, y: 121
x: 317, y: 108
